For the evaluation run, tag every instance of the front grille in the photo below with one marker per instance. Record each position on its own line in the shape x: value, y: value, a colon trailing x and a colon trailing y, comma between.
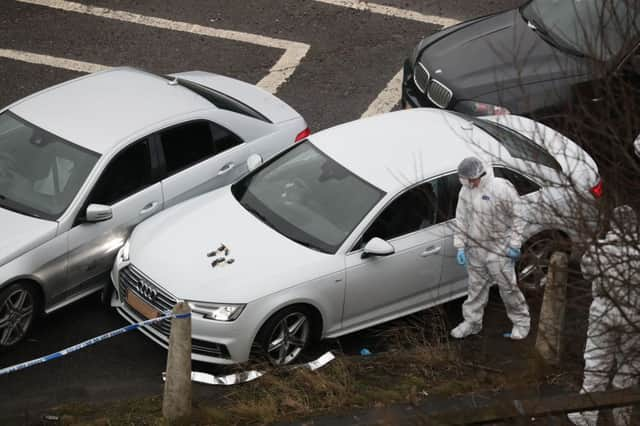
x: 439, y: 94
x: 131, y: 279
x: 421, y: 77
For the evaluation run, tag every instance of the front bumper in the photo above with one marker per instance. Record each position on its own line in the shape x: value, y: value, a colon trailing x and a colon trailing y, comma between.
x: 211, y: 341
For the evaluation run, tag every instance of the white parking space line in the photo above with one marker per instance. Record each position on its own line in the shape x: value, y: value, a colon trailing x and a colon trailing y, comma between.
x: 52, y: 61
x: 391, y: 94
x: 388, y: 98
x: 392, y: 11
x: 278, y: 74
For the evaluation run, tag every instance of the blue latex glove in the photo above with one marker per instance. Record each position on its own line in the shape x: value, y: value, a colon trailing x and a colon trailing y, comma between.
x: 513, y: 253
x: 460, y: 257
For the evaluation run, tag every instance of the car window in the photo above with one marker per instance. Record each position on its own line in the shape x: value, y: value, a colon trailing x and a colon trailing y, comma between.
x: 191, y: 143
x: 447, y: 189
x: 410, y: 212
x: 186, y: 144
x: 517, y: 144
x: 127, y: 173
x: 40, y: 173
x: 571, y: 23
x: 523, y: 185
x: 223, y: 139
x: 308, y: 197
x: 221, y: 100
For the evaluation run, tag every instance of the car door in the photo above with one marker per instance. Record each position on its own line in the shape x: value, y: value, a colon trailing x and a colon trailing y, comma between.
x: 379, y: 288
x: 127, y: 185
x: 197, y: 157
x: 453, y: 280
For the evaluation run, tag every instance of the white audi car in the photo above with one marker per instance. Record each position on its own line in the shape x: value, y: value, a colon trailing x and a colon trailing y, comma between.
x: 81, y: 163
x: 350, y: 228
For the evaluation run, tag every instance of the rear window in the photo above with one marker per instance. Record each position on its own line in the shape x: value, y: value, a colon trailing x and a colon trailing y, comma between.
x: 221, y: 100
x: 517, y: 144
x: 523, y: 185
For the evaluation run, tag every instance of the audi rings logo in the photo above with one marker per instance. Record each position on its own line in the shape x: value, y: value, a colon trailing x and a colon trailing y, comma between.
x: 146, y: 290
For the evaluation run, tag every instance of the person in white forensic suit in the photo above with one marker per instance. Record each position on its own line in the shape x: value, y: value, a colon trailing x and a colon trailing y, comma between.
x: 488, y: 236
x: 611, y: 354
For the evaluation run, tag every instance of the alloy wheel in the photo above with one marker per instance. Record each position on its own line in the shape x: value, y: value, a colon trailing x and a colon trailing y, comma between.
x: 288, y: 338
x: 534, y: 264
x: 16, y: 314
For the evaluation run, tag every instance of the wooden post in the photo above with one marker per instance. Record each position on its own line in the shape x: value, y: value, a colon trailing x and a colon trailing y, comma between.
x: 176, y: 402
x: 551, y: 323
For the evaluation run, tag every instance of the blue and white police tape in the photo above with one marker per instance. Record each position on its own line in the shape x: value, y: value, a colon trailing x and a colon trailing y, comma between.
x: 87, y: 343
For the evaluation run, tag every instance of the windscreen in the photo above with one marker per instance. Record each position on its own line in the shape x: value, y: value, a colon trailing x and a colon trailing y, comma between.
x: 40, y: 173
x: 600, y: 29
x: 517, y: 144
x: 308, y: 197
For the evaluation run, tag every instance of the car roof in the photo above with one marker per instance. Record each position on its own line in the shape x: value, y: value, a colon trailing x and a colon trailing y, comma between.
x: 396, y: 150
x: 99, y: 110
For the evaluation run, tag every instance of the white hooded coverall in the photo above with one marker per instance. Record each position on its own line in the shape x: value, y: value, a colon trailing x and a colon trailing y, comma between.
x: 488, y: 222
x: 613, y: 336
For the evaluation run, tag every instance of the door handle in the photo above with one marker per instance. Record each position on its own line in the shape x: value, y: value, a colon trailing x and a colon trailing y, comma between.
x: 429, y: 251
x: 226, y: 168
x: 149, y: 207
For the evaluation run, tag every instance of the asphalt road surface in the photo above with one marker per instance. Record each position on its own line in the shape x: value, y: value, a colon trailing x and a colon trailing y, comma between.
x: 341, y: 60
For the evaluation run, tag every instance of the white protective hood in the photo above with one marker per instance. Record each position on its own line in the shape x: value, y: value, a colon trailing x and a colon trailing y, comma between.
x: 171, y: 248
x: 21, y: 233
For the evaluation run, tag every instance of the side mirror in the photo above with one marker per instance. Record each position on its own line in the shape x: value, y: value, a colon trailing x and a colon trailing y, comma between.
x: 636, y: 146
x: 377, y: 247
x: 253, y: 162
x: 98, y: 213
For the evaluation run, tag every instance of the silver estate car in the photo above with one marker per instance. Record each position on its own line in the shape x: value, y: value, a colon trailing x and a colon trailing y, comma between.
x: 83, y: 162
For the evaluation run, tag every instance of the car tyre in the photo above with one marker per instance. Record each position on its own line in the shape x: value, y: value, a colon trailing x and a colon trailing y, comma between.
x: 18, y: 309
x: 285, y: 335
x: 533, y: 265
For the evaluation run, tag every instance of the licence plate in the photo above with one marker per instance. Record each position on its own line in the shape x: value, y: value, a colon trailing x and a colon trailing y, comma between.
x: 141, y: 306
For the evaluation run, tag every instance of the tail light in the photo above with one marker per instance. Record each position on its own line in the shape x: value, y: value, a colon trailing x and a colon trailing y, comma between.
x: 597, y: 190
x: 303, y: 134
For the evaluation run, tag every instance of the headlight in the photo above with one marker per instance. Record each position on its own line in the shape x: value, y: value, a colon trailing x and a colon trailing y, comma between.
x: 480, y: 108
x: 217, y: 311
x: 123, y: 254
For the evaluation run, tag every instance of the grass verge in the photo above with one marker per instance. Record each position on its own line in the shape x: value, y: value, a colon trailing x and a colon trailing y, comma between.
x: 420, y: 362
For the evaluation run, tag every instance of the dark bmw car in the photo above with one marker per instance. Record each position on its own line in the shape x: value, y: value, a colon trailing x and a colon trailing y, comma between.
x: 543, y: 59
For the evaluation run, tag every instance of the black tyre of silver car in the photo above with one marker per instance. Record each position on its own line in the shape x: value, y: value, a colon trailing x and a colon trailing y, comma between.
x: 285, y: 335
x: 533, y: 265
x: 18, y: 308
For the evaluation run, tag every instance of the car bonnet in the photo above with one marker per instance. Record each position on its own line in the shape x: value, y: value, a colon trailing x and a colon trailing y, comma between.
x: 211, y: 249
x: 494, y: 54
